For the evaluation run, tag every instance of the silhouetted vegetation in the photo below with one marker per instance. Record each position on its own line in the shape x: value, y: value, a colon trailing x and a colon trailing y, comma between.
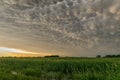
x: 98, y: 56
x: 112, y: 56
x: 52, y: 56
x: 108, y: 56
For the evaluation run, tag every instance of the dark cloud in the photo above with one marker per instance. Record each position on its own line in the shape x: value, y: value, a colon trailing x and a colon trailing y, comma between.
x: 61, y: 25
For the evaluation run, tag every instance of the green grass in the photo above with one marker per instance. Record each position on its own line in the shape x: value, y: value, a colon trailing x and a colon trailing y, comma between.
x: 59, y: 69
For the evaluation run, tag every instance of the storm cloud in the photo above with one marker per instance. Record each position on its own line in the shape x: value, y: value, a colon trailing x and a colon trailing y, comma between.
x: 65, y: 27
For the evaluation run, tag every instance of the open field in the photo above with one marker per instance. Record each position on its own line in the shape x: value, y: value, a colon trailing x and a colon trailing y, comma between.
x: 59, y: 69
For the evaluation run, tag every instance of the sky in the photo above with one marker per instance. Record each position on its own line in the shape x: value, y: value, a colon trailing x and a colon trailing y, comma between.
x: 60, y: 27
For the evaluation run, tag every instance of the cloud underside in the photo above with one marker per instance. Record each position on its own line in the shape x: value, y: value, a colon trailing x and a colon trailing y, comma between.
x: 61, y: 26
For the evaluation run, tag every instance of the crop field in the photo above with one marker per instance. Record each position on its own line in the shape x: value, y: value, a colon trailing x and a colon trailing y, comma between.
x: 59, y: 69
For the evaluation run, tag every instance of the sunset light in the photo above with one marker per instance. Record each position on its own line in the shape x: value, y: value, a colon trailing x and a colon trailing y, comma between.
x: 4, y: 51
x: 59, y: 39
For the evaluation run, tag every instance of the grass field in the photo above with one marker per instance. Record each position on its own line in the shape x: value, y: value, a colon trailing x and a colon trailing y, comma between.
x: 59, y: 69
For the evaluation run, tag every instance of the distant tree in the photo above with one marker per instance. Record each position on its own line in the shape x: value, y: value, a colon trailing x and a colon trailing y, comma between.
x: 109, y: 56
x: 118, y: 55
x: 98, y: 56
x: 51, y: 56
x: 112, y: 56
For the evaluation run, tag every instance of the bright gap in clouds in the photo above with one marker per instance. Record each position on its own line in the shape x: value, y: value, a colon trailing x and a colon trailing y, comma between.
x: 5, y: 49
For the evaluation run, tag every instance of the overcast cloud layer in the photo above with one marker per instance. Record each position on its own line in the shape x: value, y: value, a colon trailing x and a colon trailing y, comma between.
x: 65, y: 27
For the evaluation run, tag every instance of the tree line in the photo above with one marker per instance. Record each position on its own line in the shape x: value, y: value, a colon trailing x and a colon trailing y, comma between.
x: 108, y: 56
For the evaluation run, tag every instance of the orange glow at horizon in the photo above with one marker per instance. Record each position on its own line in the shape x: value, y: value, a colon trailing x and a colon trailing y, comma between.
x: 22, y: 55
x: 12, y: 52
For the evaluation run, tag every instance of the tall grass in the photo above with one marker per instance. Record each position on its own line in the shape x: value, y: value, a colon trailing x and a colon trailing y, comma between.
x: 59, y: 69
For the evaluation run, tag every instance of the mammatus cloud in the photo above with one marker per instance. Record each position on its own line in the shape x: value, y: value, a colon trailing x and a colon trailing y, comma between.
x: 66, y: 27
